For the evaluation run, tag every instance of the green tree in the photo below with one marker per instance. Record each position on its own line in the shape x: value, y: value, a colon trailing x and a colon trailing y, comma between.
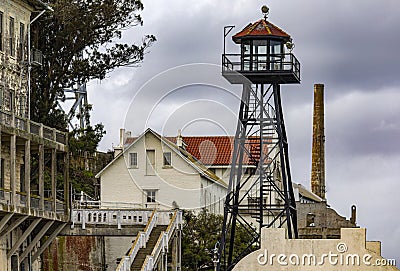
x: 200, y: 235
x: 79, y: 42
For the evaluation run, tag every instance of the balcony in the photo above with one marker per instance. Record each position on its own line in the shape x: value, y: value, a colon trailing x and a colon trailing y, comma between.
x: 51, y: 135
x: 261, y: 68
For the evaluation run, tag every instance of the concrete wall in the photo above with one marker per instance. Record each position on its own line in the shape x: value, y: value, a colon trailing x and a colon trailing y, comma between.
x: 351, y: 252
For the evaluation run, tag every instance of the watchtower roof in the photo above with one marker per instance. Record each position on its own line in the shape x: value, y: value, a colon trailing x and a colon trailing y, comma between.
x: 259, y: 29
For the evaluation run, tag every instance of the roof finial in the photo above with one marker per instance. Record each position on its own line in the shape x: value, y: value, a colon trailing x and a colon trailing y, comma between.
x: 265, y: 11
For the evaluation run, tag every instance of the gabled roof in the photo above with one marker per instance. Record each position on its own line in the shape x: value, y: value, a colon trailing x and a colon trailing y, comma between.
x: 261, y: 28
x: 197, y: 165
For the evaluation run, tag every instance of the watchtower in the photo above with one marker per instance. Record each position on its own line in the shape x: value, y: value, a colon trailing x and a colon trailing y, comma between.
x: 265, y: 198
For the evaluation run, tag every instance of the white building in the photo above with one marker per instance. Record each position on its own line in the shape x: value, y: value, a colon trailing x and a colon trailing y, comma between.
x: 151, y: 171
x: 189, y: 172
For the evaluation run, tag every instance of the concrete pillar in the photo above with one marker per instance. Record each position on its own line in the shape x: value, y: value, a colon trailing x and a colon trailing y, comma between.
x: 318, y: 143
x: 41, y: 177
x: 13, y: 147
x: 54, y: 179
x: 28, y: 173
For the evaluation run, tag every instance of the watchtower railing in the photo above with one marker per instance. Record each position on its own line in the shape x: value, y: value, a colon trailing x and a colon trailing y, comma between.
x: 273, y: 63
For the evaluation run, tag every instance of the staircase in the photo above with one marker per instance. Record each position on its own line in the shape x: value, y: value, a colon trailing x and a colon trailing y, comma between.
x: 143, y: 252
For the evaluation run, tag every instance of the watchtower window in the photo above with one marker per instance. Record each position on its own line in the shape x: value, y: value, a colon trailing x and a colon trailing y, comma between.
x: 246, y: 55
x: 275, y: 51
x: 260, y: 55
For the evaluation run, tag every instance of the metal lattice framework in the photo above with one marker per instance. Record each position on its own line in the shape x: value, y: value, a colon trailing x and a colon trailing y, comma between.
x: 264, y: 198
x: 78, y: 109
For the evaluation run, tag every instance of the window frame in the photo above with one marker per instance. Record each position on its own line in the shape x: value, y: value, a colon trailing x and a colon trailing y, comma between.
x: 133, y: 160
x: 21, y: 42
x: 151, y: 196
x: 11, y: 38
x: 167, y: 161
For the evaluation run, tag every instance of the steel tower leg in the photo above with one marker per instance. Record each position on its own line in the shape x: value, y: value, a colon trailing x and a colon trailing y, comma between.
x: 264, y: 197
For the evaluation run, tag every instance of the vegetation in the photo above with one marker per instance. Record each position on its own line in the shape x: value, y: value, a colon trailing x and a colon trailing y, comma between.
x: 200, y: 234
x: 79, y: 41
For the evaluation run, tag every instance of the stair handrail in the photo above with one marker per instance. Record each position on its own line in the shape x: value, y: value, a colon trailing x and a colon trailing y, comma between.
x: 140, y: 242
x: 162, y: 242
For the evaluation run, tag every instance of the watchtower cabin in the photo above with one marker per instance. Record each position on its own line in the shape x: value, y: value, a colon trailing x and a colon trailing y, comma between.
x: 263, y: 56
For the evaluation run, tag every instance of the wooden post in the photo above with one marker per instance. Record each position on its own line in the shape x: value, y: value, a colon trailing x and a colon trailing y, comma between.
x: 41, y: 177
x: 13, y: 139
x: 28, y: 173
x: 54, y: 179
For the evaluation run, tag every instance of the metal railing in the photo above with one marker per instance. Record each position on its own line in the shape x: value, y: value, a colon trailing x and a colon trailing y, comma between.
x: 24, y: 124
x: 273, y: 63
x: 161, y: 246
x: 109, y: 217
x: 140, y: 242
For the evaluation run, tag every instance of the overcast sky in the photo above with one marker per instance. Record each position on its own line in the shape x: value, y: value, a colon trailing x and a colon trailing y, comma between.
x: 350, y: 46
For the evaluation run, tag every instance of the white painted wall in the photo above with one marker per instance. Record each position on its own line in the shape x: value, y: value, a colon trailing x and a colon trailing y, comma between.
x: 179, y: 185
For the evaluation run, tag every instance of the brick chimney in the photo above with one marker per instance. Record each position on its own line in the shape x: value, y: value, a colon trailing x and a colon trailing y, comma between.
x: 318, y: 144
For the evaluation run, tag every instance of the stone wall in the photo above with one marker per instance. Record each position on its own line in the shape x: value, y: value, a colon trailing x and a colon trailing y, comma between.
x: 75, y: 253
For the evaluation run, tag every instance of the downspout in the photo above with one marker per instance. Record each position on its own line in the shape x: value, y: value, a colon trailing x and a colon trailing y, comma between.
x: 29, y: 53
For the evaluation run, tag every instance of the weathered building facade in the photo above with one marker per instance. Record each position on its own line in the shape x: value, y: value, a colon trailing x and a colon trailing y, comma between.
x: 33, y: 158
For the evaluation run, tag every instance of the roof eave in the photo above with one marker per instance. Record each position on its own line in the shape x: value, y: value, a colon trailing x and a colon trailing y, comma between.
x: 238, y: 40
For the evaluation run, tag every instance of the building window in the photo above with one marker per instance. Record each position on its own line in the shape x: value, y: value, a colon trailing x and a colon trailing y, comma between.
x: 7, y: 101
x: 151, y: 196
x: 2, y: 173
x: 133, y: 159
x: 150, y: 162
x: 1, y: 31
x: 21, y: 41
x: 167, y: 158
x: 22, y: 178
x: 11, y: 38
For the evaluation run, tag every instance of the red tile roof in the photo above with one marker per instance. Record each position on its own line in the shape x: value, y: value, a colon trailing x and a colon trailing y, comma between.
x: 259, y: 29
x: 214, y: 150
x: 210, y: 150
